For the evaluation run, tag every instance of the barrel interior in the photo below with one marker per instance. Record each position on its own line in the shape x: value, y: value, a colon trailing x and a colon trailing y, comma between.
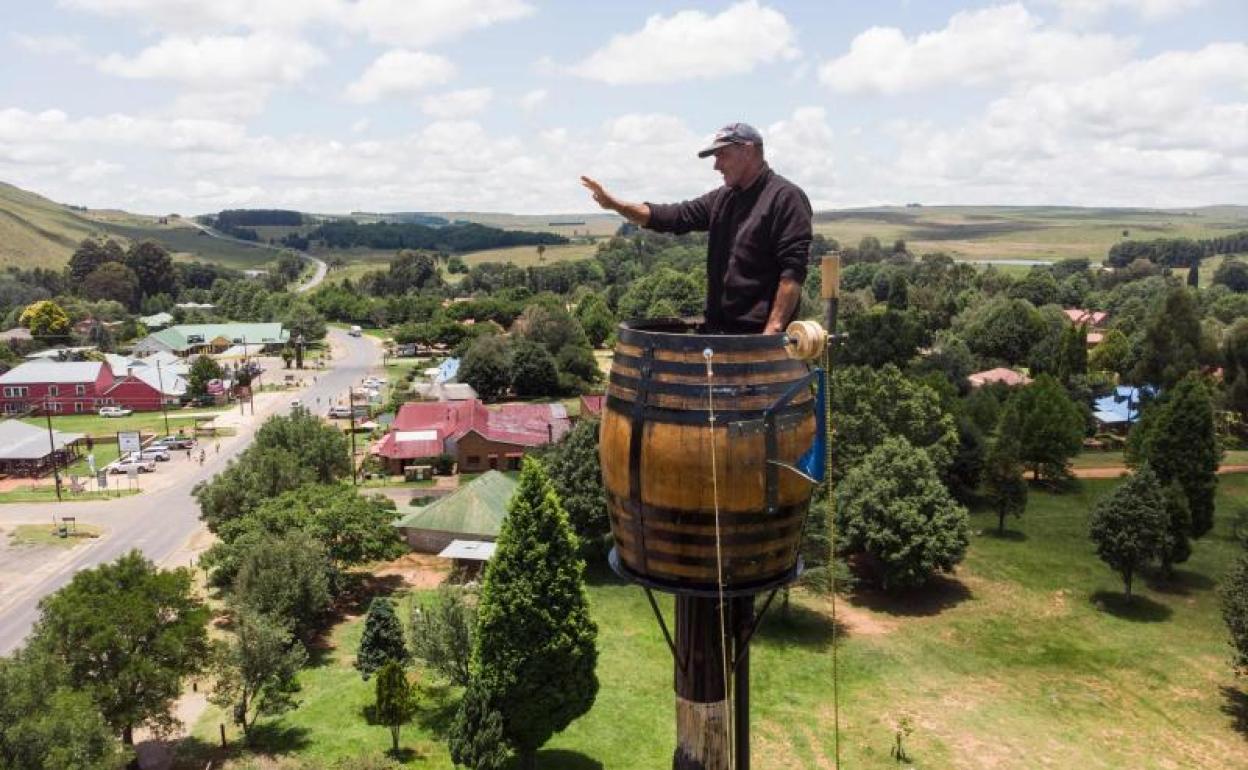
x: 666, y: 464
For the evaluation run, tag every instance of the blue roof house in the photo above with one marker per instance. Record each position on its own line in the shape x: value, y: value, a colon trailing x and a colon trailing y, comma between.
x: 1120, y: 408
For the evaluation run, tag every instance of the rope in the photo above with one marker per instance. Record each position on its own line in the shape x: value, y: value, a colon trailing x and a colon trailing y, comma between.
x: 719, y: 569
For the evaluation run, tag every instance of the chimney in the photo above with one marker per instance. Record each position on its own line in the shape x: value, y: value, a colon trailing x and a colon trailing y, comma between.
x: 550, y: 433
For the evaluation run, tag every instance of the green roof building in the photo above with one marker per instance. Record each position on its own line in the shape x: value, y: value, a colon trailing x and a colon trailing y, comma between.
x: 212, y: 338
x: 475, y: 511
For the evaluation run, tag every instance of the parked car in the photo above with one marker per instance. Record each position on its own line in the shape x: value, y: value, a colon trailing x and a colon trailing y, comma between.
x: 115, y: 411
x: 157, y: 453
x: 295, y: 403
x: 173, y: 442
x: 124, y: 464
x: 356, y: 331
x: 341, y: 411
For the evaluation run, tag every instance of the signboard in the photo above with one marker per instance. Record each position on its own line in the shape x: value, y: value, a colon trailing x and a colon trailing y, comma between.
x: 91, y: 463
x: 128, y: 441
x: 101, y: 479
x: 132, y: 472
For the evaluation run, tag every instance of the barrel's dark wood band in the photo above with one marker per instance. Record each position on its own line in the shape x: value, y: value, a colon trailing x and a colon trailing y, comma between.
x: 637, y: 429
x: 727, y: 518
x: 690, y: 390
x: 630, y: 334
x: 703, y: 571
x: 721, y: 369
x: 778, y: 531
x: 675, y: 416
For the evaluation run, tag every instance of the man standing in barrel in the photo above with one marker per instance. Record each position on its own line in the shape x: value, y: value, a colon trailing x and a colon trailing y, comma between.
x: 759, y: 225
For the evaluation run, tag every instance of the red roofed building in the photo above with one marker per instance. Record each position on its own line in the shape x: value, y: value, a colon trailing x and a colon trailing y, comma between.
x: 591, y: 406
x: 1093, y: 318
x: 479, y: 437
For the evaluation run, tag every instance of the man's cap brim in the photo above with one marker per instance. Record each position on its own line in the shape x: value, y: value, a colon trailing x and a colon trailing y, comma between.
x: 716, y: 146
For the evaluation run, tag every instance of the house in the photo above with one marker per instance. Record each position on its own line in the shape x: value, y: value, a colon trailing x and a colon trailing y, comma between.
x: 473, y: 512
x: 77, y: 387
x: 156, y: 320
x: 1000, y: 374
x: 1120, y: 409
x: 187, y: 339
x: 16, y: 334
x: 479, y: 437
x: 444, y: 391
x: 26, y: 450
x: 61, y: 354
x: 591, y: 406
x: 1094, y: 319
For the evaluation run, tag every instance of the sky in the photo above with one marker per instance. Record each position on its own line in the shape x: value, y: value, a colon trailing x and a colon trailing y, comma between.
x: 331, y: 106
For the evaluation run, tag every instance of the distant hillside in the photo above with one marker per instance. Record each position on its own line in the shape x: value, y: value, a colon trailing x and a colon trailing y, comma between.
x: 35, y: 231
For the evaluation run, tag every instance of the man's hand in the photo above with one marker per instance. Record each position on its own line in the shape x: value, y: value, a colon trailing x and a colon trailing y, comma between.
x: 637, y: 213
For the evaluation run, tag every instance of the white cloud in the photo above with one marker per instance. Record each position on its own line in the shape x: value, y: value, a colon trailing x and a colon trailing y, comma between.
x: 51, y: 45
x: 94, y: 171
x: 234, y: 104
x: 1087, y: 11
x: 214, y: 60
x: 533, y: 100
x: 802, y: 147
x: 360, y: 126
x: 692, y: 44
x: 1005, y: 43
x: 424, y: 22
x: 457, y: 104
x: 400, y: 72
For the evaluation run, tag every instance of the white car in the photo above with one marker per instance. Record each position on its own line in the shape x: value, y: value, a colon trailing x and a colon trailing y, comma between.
x: 115, y: 411
x: 124, y: 464
x: 296, y: 403
x: 154, y: 452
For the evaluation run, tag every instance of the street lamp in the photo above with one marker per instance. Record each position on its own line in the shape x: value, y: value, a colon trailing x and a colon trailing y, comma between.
x: 164, y: 409
x: 56, y: 474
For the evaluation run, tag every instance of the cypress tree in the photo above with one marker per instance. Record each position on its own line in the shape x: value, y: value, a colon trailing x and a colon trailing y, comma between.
x: 396, y: 700
x: 535, y: 655
x: 382, y: 641
x: 1178, y: 546
x: 1003, y: 472
x: 1181, y: 444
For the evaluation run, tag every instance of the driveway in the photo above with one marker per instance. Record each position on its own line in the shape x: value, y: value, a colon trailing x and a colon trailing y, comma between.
x: 161, y: 521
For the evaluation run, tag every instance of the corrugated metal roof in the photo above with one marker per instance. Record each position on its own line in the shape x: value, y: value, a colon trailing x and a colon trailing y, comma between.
x: 36, y: 372
x: 19, y: 441
x: 477, y: 508
x: 473, y: 550
x: 176, y: 337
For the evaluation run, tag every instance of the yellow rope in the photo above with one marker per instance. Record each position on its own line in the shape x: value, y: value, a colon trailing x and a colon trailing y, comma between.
x: 719, y: 568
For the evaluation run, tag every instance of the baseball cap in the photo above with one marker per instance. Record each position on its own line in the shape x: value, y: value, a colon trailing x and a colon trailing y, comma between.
x: 733, y: 133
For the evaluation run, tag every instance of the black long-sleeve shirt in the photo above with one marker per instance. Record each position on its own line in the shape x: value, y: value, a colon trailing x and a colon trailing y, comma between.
x: 758, y: 236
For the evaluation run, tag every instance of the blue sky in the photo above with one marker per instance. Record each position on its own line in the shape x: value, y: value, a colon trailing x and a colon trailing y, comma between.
x: 498, y: 105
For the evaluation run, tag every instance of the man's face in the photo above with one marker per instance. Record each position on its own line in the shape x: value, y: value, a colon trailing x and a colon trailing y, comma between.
x: 734, y: 162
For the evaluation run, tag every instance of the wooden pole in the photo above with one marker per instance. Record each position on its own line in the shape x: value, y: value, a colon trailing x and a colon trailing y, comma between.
x: 702, y: 713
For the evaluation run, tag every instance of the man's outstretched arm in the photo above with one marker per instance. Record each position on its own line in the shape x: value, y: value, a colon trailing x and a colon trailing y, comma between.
x: 637, y: 213
x: 788, y: 295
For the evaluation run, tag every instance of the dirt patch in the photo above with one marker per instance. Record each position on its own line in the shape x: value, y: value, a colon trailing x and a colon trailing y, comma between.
x: 417, y: 570
x: 860, y: 621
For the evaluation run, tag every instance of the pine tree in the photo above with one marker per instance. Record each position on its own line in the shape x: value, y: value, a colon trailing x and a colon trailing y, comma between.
x: 1129, y: 526
x: 382, y: 641
x: 1181, y: 444
x: 1051, y: 427
x: 396, y: 700
x: 535, y: 655
x: 476, y: 738
x: 1234, y: 591
x: 1178, y: 546
x: 1003, y: 472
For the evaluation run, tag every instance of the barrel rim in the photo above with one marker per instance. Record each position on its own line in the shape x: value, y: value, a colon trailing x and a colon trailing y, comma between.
x: 646, y: 333
x: 707, y: 591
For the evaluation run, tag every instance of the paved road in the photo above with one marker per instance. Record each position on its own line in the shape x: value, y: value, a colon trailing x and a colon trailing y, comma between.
x: 317, y: 276
x: 157, y: 522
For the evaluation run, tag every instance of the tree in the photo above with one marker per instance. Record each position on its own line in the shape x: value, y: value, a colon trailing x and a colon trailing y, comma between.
x: 1171, y: 344
x: 1179, y: 441
x: 303, y: 320
x: 112, y: 280
x: 484, y: 367
x: 1129, y: 525
x: 893, y: 508
x: 576, y: 473
x: 45, y: 319
x: 153, y: 267
x: 879, y: 338
x: 898, y: 291
x: 870, y: 405
x: 1003, y: 474
x: 128, y: 633
x: 442, y: 633
x: 1038, y: 287
x: 1001, y: 328
x: 1073, y: 356
x: 286, y: 578
x: 535, y: 654
x: 396, y: 700
x: 477, y: 739
x: 1112, y: 354
x: 1193, y: 275
x: 254, y: 673
x: 1233, y: 274
x: 596, y: 319
x: 1234, y: 594
x: 1051, y: 428
x: 533, y: 370
x: 204, y: 369
x: 89, y: 255
x: 382, y: 641
x: 1177, y: 547
x: 47, y: 725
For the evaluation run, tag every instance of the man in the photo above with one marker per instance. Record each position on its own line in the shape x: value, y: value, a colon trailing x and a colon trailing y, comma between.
x: 759, y: 225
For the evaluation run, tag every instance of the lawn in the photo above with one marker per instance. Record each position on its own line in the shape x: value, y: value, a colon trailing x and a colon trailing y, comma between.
x: 145, y: 422
x: 44, y: 535
x: 1028, y: 657
x: 47, y: 494
x: 1114, y: 459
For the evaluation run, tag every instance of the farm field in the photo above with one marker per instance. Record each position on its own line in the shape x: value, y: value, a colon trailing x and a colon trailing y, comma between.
x: 1027, y: 657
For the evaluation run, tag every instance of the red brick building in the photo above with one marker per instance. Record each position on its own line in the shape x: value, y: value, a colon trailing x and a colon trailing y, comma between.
x: 81, y: 387
x: 479, y: 437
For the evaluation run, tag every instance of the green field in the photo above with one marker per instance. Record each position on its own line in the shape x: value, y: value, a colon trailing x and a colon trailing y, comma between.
x: 145, y: 422
x: 1028, y: 657
x: 526, y: 256
x: 44, y: 535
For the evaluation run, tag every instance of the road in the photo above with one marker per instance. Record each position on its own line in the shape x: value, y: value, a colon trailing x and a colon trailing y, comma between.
x: 318, y: 274
x: 159, y: 522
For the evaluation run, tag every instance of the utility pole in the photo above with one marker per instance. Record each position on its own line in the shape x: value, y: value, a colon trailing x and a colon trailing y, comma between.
x: 56, y: 473
x: 351, y: 408
x: 164, y: 409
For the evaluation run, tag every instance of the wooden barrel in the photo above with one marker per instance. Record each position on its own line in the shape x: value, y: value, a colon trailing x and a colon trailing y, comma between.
x: 656, y: 445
